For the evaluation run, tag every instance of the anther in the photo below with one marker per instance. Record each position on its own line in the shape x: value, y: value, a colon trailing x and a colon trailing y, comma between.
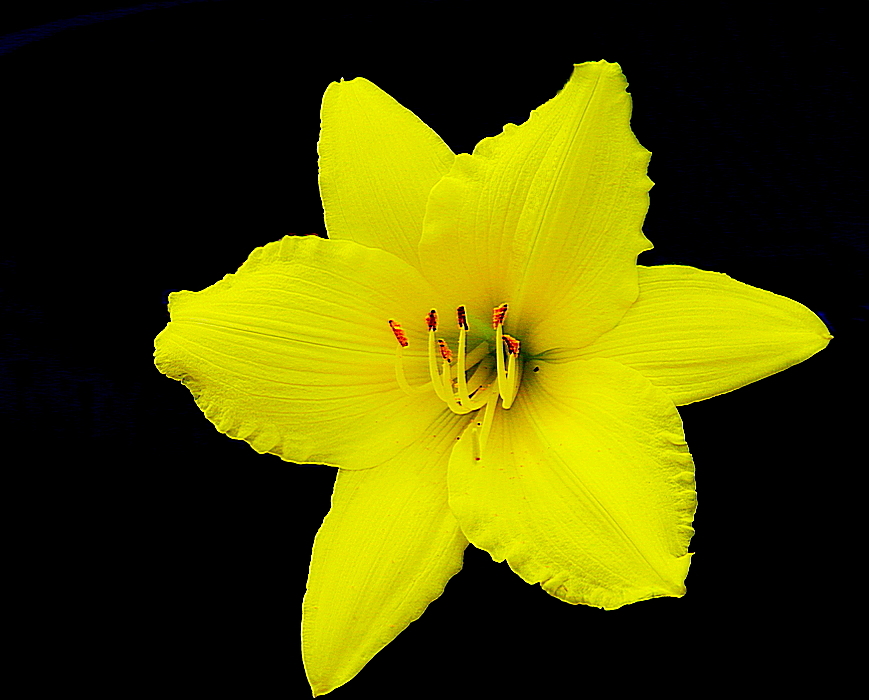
x: 446, y: 353
x: 512, y: 344
x: 399, y: 333
x: 432, y: 320
x: 498, y: 315
x: 463, y: 319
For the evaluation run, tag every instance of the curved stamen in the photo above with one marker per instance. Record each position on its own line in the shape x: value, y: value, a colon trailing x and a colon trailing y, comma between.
x: 436, y: 380
x: 453, y: 400
x: 402, y: 379
x: 460, y: 370
x: 446, y: 375
x: 451, y: 382
x: 399, y: 361
x: 498, y: 323
x: 513, y: 371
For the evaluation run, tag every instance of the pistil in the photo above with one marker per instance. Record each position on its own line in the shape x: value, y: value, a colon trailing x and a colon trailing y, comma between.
x: 480, y: 429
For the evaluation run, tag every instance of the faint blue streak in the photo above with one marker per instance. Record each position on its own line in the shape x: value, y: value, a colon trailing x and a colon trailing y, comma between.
x: 15, y: 40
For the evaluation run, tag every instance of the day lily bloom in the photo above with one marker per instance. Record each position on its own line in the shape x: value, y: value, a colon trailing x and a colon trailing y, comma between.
x: 477, y: 350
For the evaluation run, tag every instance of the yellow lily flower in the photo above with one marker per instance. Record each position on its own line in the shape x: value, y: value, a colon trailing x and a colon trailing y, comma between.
x: 477, y: 349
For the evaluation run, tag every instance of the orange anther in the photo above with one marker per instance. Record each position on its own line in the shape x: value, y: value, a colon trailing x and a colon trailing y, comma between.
x: 463, y: 319
x: 498, y: 315
x: 446, y: 353
x: 512, y: 344
x: 399, y: 333
x: 432, y: 320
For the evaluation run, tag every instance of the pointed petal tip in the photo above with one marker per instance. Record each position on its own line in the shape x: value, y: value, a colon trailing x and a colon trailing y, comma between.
x: 320, y: 690
x: 321, y: 686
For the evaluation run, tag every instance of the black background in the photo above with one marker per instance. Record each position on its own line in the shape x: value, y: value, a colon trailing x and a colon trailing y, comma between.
x: 150, y: 148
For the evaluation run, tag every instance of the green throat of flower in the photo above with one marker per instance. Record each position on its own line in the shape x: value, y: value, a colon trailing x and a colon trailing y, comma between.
x: 467, y: 381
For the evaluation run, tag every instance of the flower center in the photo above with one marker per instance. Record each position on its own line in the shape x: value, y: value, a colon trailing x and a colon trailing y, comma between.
x: 467, y: 381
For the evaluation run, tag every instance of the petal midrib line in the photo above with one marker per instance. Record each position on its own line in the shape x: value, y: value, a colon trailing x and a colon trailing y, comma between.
x: 579, y: 481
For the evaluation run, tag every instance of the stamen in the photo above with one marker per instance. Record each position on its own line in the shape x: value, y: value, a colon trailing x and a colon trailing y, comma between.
x: 460, y: 370
x: 512, y: 344
x: 436, y: 380
x: 452, y: 400
x: 442, y: 381
x: 462, y: 317
x: 498, y: 324
x: 450, y: 382
x: 399, y: 361
x: 399, y: 333
x: 446, y: 353
x: 513, y: 372
x: 498, y: 315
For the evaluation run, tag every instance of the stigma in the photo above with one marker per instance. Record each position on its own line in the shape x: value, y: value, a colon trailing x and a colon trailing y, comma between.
x: 467, y: 381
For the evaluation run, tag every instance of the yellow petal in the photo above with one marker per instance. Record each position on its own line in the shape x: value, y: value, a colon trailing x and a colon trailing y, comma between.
x: 384, y: 552
x: 547, y: 216
x: 294, y: 354
x: 378, y: 162
x: 696, y: 334
x: 585, y: 486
